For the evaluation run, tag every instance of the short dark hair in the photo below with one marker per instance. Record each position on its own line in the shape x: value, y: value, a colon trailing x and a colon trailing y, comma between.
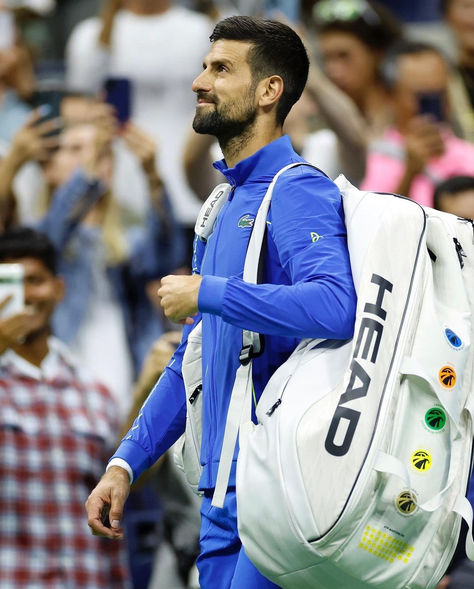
x: 25, y: 242
x: 375, y: 25
x: 389, y: 65
x: 452, y: 186
x: 276, y: 50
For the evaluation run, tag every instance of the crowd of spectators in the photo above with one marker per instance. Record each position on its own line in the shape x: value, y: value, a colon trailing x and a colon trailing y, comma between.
x: 98, y: 160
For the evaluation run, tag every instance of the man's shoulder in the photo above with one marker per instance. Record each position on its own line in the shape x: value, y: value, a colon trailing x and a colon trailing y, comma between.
x: 304, y: 178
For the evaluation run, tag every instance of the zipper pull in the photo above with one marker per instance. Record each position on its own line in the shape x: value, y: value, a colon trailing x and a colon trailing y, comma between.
x: 195, y: 394
x: 460, y: 252
x: 271, y: 411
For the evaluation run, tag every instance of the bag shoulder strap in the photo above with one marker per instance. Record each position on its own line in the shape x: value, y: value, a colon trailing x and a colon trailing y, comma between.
x: 240, y: 405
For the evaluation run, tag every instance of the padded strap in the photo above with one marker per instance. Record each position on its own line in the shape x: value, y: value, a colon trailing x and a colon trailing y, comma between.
x: 210, y: 209
x: 239, y: 406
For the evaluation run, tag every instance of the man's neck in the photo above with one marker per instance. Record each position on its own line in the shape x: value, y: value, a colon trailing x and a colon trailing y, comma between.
x: 245, y: 145
x: 34, y: 350
x: 146, y: 7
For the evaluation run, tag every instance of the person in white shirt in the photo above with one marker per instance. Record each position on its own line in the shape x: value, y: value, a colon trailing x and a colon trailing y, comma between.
x: 158, y: 46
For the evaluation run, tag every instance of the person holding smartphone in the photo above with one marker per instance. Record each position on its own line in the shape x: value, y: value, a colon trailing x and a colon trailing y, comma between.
x: 52, y: 443
x: 420, y: 149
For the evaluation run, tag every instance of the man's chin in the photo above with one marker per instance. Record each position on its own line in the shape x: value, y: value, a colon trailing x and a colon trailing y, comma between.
x: 202, y: 126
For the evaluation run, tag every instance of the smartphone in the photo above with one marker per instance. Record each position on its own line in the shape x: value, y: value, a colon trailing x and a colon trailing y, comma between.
x: 117, y: 92
x: 49, y: 103
x: 12, y: 283
x: 431, y: 103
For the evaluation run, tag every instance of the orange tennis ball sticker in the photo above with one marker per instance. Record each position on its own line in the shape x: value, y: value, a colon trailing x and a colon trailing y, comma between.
x: 447, y: 377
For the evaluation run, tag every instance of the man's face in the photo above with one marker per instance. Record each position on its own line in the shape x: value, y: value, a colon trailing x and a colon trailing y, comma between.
x: 349, y: 63
x: 76, y: 148
x: 226, y: 103
x: 43, y: 290
x: 460, y: 17
x: 418, y: 74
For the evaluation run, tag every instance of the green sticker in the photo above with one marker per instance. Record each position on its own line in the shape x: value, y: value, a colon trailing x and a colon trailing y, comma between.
x: 435, y: 418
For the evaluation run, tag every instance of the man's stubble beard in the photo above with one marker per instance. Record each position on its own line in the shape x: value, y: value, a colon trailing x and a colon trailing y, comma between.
x: 229, y: 131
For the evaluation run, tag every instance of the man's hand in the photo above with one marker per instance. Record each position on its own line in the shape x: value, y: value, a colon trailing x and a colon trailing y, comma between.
x: 141, y: 144
x: 423, y: 141
x: 15, y: 328
x: 179, y: 297
x: 105, y: 504
x: 31, y: 143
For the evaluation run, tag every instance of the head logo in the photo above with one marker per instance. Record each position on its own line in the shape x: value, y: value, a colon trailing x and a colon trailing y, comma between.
x: 246, y: 221
x: 454, y: 340
x: 421, y: 460
x: 435, y: 419
x: 447, y: 377
x: 315, y: 236
x: 406, y: 502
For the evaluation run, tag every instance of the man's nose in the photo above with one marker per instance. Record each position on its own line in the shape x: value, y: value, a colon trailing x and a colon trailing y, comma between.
x: 201, y: 82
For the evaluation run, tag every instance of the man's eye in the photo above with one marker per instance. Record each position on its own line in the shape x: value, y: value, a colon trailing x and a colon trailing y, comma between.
x: 221, y: 68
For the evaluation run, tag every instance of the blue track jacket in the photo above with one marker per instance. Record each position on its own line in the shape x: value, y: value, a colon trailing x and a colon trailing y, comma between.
x: 306, y: 291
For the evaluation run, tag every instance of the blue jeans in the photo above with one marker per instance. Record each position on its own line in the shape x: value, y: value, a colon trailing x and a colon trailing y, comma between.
x: 223, y: 563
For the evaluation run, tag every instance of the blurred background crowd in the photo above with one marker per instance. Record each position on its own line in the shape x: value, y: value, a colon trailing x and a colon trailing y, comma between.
x: 97, y: 152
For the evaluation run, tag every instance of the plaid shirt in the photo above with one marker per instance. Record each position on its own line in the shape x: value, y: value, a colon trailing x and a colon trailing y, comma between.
x: 56, y: 430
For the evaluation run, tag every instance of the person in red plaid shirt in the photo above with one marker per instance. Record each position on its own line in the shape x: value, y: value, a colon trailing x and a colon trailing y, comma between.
x: 57, y: 427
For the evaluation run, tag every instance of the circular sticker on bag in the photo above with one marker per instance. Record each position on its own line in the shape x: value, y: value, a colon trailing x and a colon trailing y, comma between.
x: 421, y: 460
x: 435, y: 419
x: 447, y: 377
x: 406, y: 502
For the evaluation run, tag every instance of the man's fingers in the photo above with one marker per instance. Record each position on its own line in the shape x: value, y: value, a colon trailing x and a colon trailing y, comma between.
x: 48, y: 126
x: 95, y: 506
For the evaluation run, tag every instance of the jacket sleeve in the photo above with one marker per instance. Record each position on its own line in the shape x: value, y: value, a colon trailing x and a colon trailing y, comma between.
x: 70, y: 203
x: 161, y: 419
x: 308, y: 238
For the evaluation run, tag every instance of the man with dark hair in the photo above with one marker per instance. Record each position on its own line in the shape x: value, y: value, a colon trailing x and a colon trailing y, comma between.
x: 56, y: 427
x: 254, y: 72
x: 456, y: 196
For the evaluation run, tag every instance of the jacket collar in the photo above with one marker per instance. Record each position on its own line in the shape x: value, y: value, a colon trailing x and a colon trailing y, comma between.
x: 52, y: 366
x: 263, y: 163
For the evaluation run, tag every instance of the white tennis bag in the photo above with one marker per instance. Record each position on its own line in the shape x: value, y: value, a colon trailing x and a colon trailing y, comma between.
x: 356, y: 473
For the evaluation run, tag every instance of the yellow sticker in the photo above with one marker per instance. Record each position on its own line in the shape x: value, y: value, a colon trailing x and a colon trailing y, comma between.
x: 421, y: 460
x: 406, y: 502
x: 447, y: 377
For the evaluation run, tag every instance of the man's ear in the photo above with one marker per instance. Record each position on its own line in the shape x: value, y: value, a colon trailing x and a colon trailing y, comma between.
x: 271, y: 89
x: 60, y: 288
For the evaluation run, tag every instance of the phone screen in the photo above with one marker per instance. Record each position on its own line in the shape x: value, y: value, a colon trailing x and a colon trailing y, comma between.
x: 12, y: 284
x: 118, y: 94
x: 431, y: 103
x: 50, y: 103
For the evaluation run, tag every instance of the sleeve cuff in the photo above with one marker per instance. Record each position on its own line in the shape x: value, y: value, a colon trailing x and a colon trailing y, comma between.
x: 211, y: 294
x: 120, y: 462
